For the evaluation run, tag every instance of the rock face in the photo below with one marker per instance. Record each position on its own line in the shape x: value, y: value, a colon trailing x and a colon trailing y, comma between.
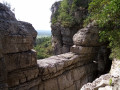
x: 18, y: 62
x: 70, y: 71
x: 20, y: 69
x: 66, y: 71
x: 86, y: 41
x: 88, y: 36
x: 110, y: 81
x: 62, y: 36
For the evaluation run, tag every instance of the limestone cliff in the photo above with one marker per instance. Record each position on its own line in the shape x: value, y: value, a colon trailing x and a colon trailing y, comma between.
x: 20, y: 69
x: 17, y: 59
x: 62, y: 36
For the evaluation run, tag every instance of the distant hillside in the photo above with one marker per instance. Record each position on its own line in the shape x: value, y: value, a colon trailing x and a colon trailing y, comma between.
x: 44, y: 33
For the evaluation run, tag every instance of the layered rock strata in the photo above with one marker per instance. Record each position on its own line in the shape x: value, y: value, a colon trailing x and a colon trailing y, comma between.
x: 86, y: 42
x: 20, y: 69
x: 66, y: 71
x: 18, y: 62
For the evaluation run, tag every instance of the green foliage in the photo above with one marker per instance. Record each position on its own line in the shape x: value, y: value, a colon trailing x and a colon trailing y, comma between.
x: 65, y: 14
x: 77, y: 3
x: 43, y: 47
x: 54, y: 19
x: 110, y: 81
x: 107, y: 15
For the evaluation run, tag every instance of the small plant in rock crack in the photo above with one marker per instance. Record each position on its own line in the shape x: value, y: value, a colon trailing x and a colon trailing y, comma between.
x: 110, y: 81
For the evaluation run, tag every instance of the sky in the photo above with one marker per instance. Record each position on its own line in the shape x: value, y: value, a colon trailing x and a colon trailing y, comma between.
x: 36, y: 12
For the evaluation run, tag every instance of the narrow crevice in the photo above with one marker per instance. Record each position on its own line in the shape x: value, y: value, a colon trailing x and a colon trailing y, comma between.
x: 104, y: 62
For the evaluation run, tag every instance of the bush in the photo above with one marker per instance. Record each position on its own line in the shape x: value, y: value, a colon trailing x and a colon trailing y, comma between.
x: 43, y: 47
x: 65, y: 14
x: 106, y: 13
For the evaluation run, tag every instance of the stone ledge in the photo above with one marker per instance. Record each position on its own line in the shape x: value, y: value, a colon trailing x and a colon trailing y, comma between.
x: 21, y: 76
x: 17, y: 43
x: 20, y: 60
x: 27, y: 85
x: 56, y: 65
x: 84, y: 50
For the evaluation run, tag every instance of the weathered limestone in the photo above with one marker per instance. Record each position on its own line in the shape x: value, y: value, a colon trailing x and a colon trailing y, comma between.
x: 86, y: 41
x: 65, y: 71
x: 20, y: 69
x: 88, y: 36
x: 70, y: 71
x: 18, y: 62
x: 62, y: 36
x: 110, y: 81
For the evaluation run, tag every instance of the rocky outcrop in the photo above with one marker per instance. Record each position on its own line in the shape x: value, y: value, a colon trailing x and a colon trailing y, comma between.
x: 62, y: 36
x: 88, y: 36
x: 62, y: 39
x: 20, y: 69
x: 66, y: 71
x: 18, y: 62
x: 86, y: 42
x: 70, y: 71
x: 110, y: 81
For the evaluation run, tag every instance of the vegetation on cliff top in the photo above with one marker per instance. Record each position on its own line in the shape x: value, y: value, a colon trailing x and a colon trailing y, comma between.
x: 65, y: 14
x: 106, y: 13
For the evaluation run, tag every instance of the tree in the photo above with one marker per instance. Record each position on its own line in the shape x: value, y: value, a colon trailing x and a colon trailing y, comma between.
x: 106, y: 13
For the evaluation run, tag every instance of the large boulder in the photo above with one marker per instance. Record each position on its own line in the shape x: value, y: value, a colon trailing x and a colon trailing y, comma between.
x: 88, y: 36
x: 15, y: 36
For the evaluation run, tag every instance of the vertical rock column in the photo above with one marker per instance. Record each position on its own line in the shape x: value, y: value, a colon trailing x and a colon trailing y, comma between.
x: 61, y: 35
x: 18, y: 62
x: 86, y: 43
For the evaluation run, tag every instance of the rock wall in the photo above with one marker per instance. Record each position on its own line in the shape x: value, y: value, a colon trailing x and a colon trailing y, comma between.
x: 66, y: 71
x: 20, y: 69
x: 62, y: 36
x: 109, y: 81
x: 18, y: 62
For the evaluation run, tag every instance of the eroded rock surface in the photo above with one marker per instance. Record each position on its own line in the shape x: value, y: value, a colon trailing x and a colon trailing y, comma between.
x: 62, y: 36
x: 67, y: 71
x: 88, y: 36
x: 20, y: 69
x: 86, y: 41
x: 18, y: 61
x: 110, y: 81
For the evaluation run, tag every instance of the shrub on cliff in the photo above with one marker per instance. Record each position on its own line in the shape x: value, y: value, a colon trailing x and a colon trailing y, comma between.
x: 106, y: 13
x: 66, y: 13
